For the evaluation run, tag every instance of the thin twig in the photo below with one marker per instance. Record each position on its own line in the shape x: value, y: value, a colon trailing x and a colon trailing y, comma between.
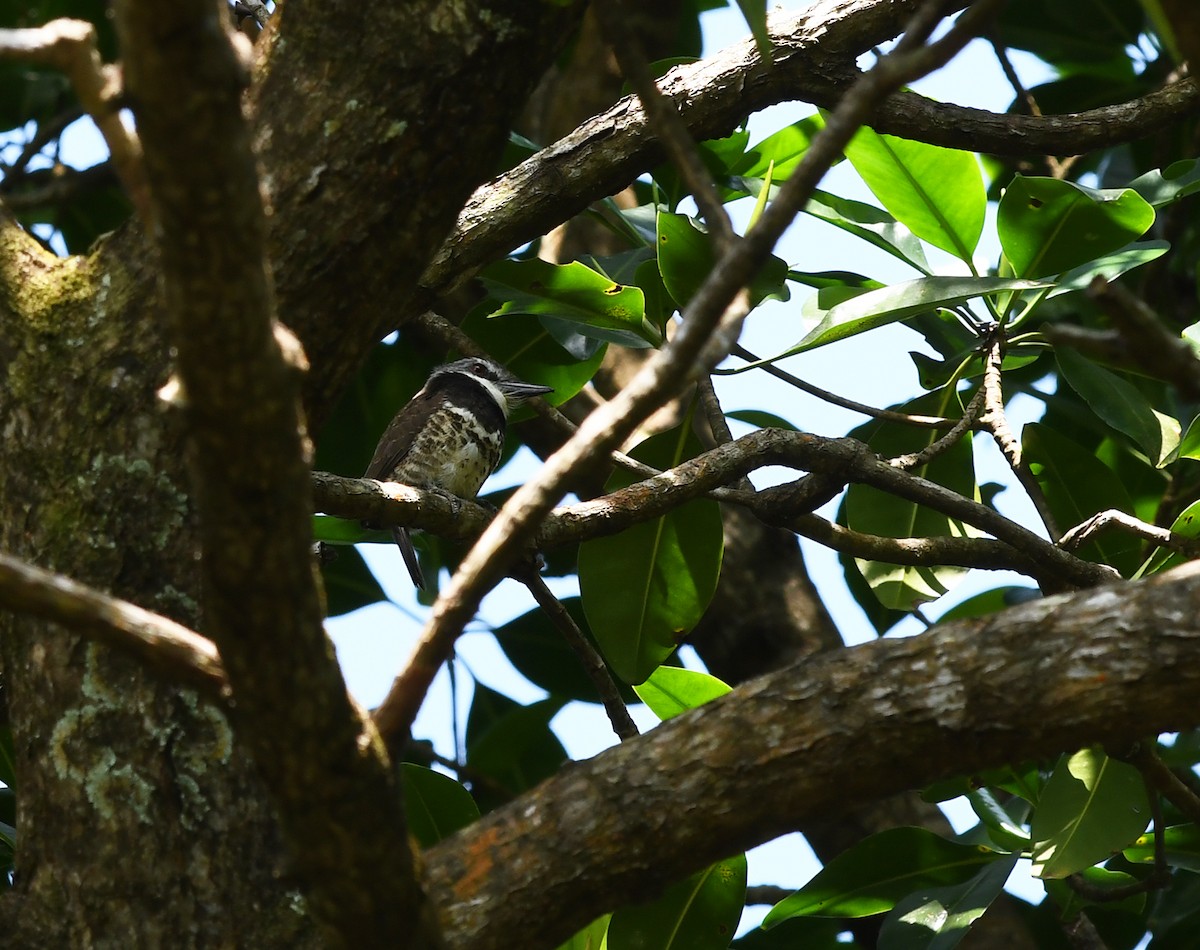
x: 163, y: 644
x: 995, y: 421
x: 889, y: 415
x: 593, y: 664
x: 70, y: 46
x: 1114, y: 518
x: 947, y: 441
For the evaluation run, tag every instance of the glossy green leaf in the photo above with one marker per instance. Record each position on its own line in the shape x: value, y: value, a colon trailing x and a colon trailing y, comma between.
x: 780, y: 151
x: 700, y: 913
x: 1177, y: 180
x: 686, y: 257
x: 598, y: 306
x: 874, y: 512
x: 1048, y: 225
x: 879, y: 871
x: 349, y: 583
x: 873, y: 225
x: 937, y: 918
x: 535, y: 647
x: 876, y: 308
x: 1181, y: 844
x: 590, y: 938
x: 510, y: 743
x: 1078, y: 485
x: 1091, y: 808
x: 1189, y: 445
x: 645, y: 589
x: 1121, y: 405
x: 671, y: 690
x: 990, y: 602
x: 1186, y: 524
x: 529, y: 347
x: 1109, y: 266
x: 761, y: 419
x: 436, y: 806
x: 1085, y: 35
x: 937, y: 192
x: 1003, y: 831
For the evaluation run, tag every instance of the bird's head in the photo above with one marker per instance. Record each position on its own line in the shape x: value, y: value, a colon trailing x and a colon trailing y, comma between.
x: 508, y: 391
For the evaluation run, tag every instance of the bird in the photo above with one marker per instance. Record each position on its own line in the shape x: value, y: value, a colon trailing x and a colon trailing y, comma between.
x: 449, y: 436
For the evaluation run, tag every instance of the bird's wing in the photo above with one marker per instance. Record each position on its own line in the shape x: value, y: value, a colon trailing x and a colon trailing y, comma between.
x: 397, y: 438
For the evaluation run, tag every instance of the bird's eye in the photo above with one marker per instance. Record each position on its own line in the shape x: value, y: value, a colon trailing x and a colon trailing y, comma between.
x: 480, y: 366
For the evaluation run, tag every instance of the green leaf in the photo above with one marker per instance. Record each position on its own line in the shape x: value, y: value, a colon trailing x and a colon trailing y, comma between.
x: 512, y: 744
x: 1091, y: 808
x: 1181, y: 844
x: 645, y: 589
x: 700, y: 913
x: 1186, y: 524
x: 1086, y: 35
x: 874, y: 512
x: 780, y: 151
x: 873, y: 225
x: 876, y: 308
x: 529, y: 347
x: 1177, y: 180
x: 879, y: 871
x: 937, y: 918
x: 1047, y: 225
x: 1078, y: 485
x: 436, y: 806
x: 671, y: 690
x: 535, y: 647
x: 1121, y: 405
x: 1070, y: 902
x: 999, y: 824
x: 349, y: 583
x: 686, y: 257
x: 598, y: 306
x: 761, y: 419
x: 1109, y: 266
x: 590, y: 938
x: 937, y: 192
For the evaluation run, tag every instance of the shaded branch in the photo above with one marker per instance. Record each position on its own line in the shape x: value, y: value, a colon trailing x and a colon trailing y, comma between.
x: 164, y: 645
x: 70, y: 46
x: 830, y: 733
x: 239, y: 383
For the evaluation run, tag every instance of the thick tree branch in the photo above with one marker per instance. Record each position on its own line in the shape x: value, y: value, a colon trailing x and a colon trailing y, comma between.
x: 833, y: 732
x: 169, y: 647
x: 813, y: 57
x: 708, y: 328
x: 239, y: 374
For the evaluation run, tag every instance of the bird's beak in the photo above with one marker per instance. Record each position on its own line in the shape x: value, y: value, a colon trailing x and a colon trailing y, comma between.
x: 517, y: 392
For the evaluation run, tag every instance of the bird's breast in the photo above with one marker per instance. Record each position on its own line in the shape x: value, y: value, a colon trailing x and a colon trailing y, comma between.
x: 454, y: 451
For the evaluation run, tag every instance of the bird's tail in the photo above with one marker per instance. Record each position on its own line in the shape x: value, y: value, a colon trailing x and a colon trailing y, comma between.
x: 404, y: 542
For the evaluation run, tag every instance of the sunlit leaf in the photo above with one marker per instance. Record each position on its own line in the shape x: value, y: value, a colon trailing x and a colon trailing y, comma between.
x: 937, y: 918
x: 937, y: 192
x: 1048, y: 225
x: 1180, y: 842
x: 873, y: 225
x: 599, y: 306
x: 1091, y: 808
x: 873, y: 875
x: 670, y: 690
x: 1177, y: 180
x: 876, y: 308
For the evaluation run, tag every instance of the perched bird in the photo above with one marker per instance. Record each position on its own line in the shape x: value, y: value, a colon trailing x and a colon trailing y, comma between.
x: 449, y: 436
